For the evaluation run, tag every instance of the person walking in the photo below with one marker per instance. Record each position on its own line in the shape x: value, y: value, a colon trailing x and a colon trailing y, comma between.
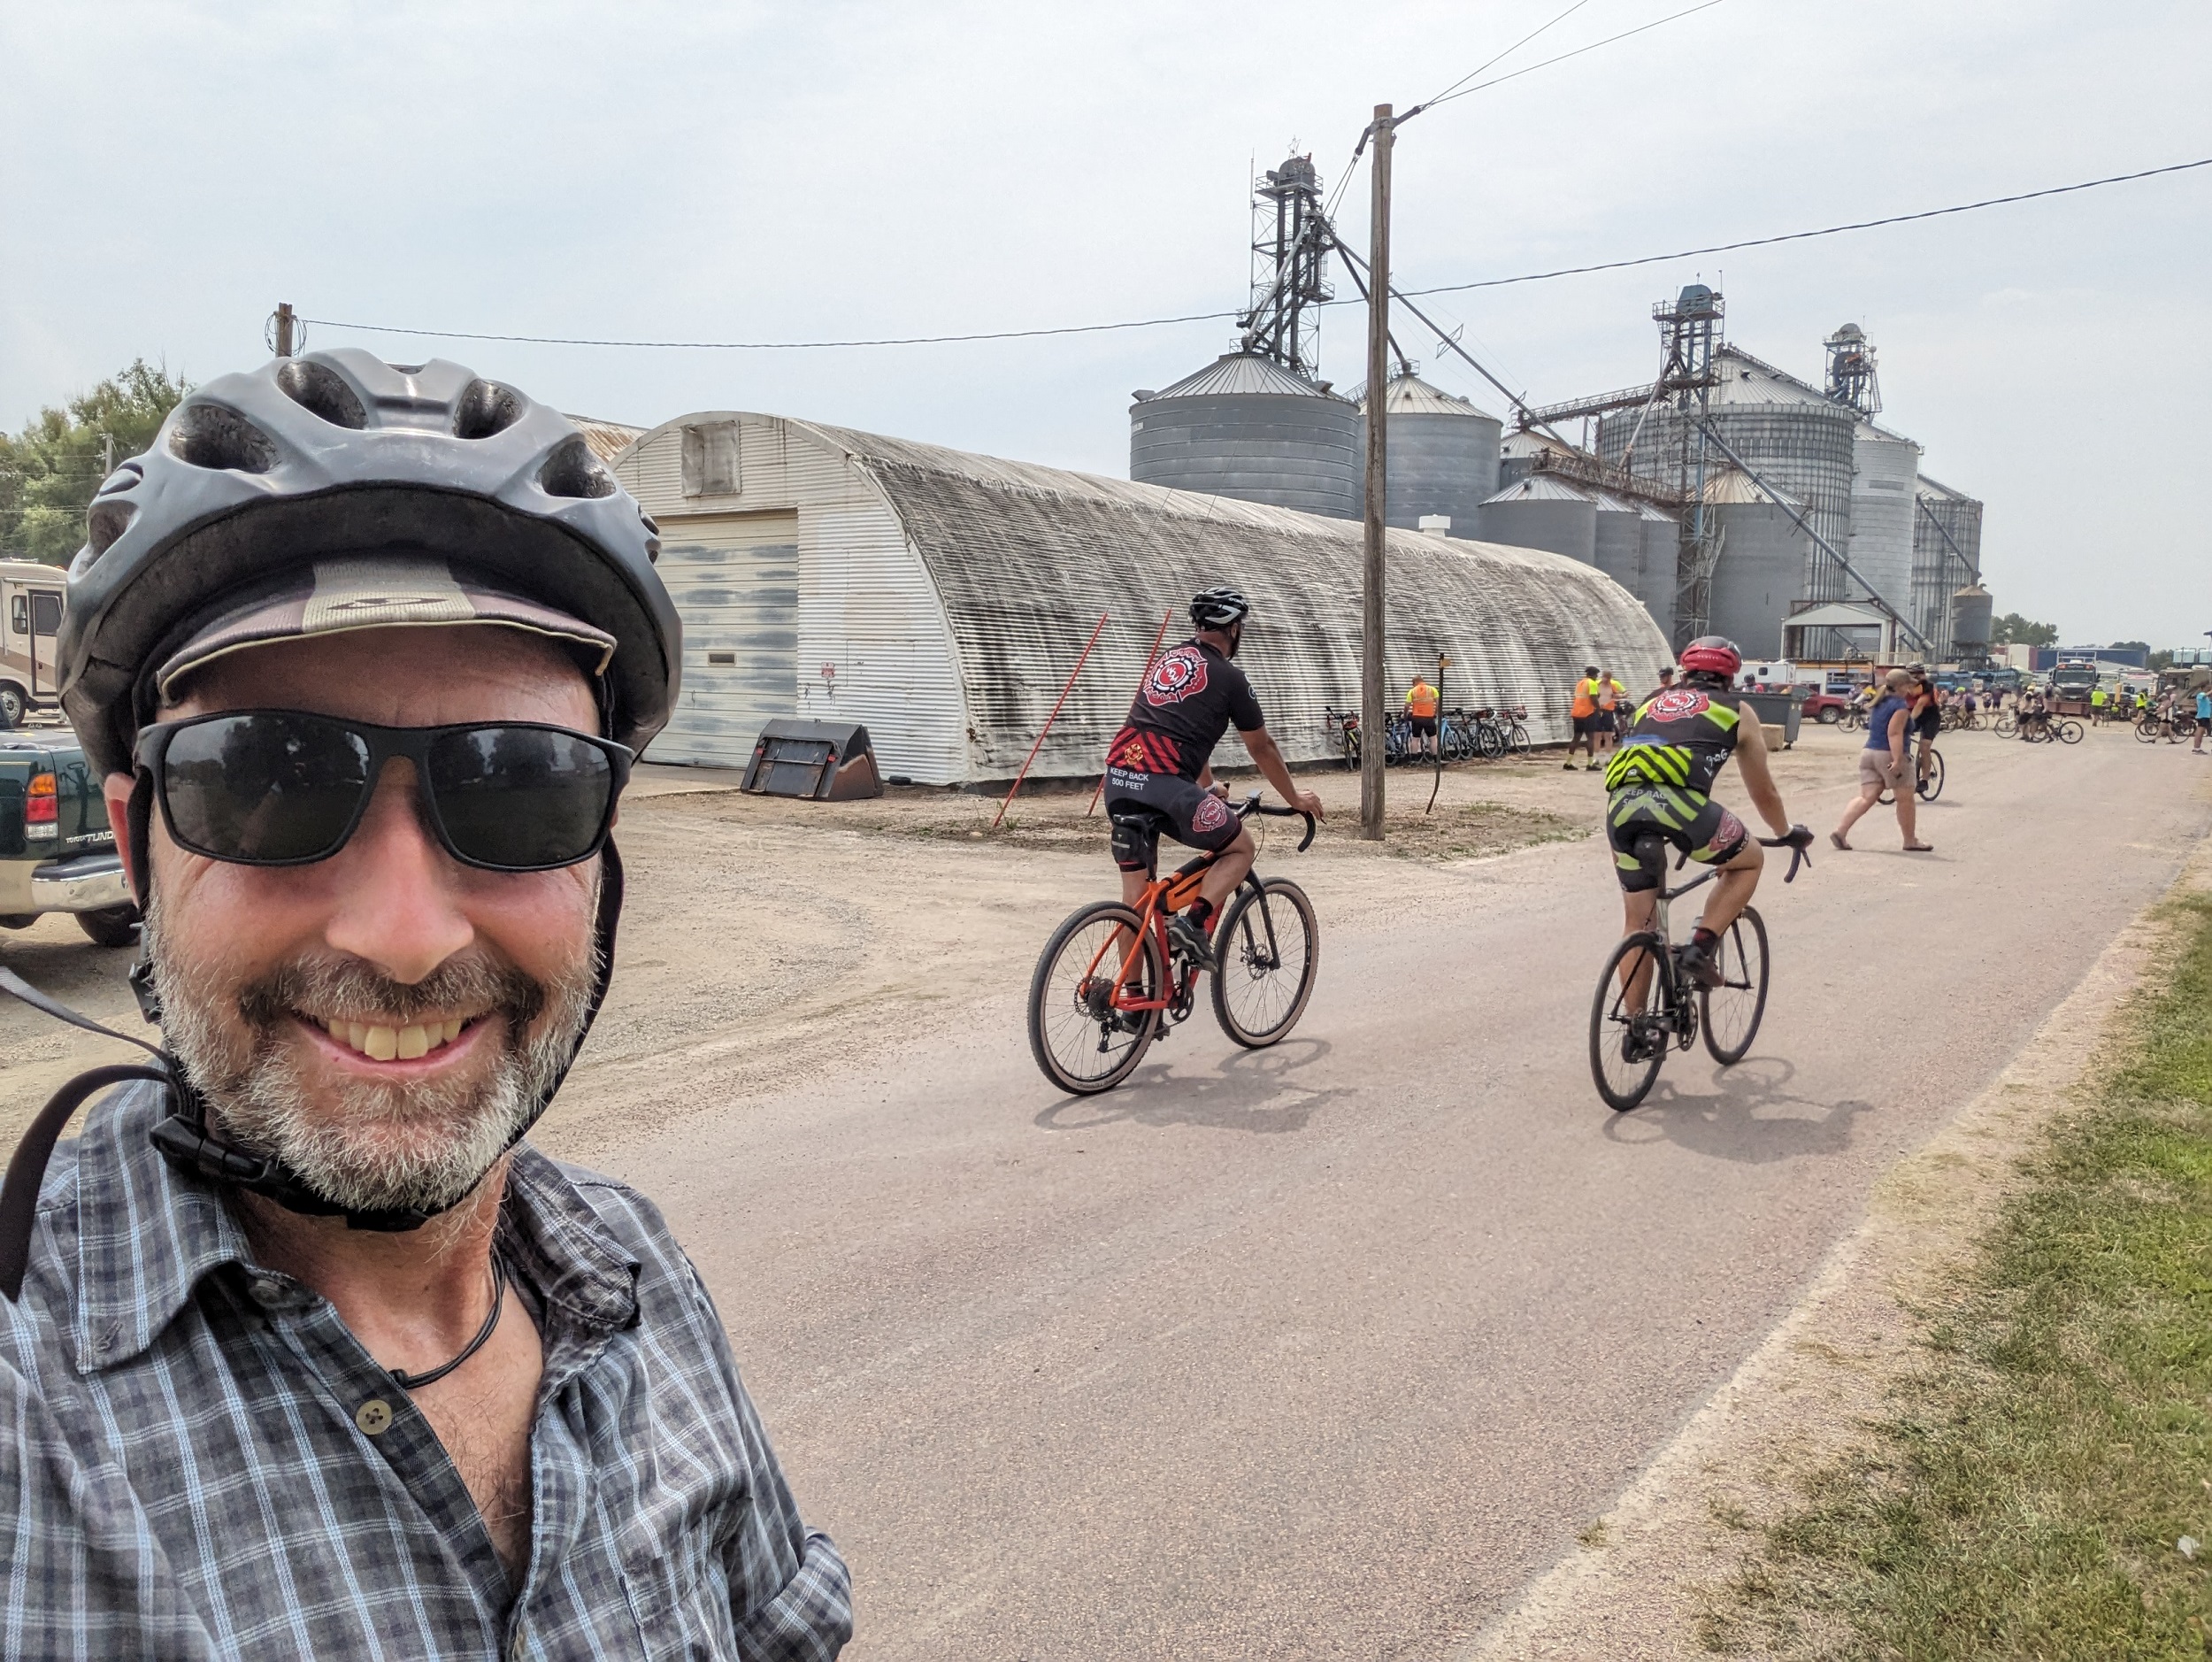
x: 1882, y: 764
x: 1585, y: 715
x: 1421, y: 713
x: 2204, y: 718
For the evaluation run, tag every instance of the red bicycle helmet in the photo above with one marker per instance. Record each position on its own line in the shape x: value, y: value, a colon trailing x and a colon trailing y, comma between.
x: 1711, y: 655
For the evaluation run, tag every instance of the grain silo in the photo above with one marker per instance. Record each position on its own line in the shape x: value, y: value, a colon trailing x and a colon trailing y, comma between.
x: 1970, y: 623
x: 1947, y: 556
x: 1443, y: 456
x: 1886, y: 480
x: 1245, y: 426
x: 1618, y: 543
x: 1787, y: 431
x: 1661, y: 538
x: 1543, y: 511
x: 1759, y: 567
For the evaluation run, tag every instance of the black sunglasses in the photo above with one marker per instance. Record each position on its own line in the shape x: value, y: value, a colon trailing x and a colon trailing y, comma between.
x: 287, y: 788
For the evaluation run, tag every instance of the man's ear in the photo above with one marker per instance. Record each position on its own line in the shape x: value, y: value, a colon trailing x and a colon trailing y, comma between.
x: 116, y: 788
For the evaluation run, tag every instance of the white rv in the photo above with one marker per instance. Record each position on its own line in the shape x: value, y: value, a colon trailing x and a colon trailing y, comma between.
x: 30, y: 617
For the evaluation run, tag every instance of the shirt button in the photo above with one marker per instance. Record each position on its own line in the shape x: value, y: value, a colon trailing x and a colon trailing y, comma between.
x: 374, y: 1417
x: 265, y: 1292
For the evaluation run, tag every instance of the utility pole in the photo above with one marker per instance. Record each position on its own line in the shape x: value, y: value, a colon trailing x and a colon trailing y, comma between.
x: 284, y: 321
x: 107, y: 454
x: 1371, y: 719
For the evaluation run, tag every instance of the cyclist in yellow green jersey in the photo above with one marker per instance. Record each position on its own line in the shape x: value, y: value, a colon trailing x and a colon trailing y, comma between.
x: 1661, y: 781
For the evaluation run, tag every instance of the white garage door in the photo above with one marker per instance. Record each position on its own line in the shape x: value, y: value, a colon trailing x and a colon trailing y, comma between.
x: 735, y: 581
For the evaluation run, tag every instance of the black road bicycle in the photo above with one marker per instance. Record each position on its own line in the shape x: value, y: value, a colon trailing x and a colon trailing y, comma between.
x: 1645, y: 1005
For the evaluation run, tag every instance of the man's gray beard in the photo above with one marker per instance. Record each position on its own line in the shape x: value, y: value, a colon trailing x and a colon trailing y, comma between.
x: 364, y: 1146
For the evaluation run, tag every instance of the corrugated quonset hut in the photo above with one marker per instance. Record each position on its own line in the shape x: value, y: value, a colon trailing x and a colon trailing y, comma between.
x: 942, y: 598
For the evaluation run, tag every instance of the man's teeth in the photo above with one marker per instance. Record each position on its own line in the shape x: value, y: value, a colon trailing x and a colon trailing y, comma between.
x: 381, y: 1043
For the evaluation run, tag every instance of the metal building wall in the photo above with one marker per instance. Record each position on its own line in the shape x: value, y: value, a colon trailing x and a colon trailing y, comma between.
x: 866, y: 608
x: 1761, y: 564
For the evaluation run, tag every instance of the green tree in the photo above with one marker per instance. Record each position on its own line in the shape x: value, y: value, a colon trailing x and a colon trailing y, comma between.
x: 2012, y: 629
x: 2163, y: 659
x: 49, y: 470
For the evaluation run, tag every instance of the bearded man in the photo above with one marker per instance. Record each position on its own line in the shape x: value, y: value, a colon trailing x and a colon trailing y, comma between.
x: 316, y: 1355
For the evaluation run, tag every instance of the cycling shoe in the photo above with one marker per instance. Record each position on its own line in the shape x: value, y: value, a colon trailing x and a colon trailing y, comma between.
x: 1699, y: 964
x: 1191, y: 940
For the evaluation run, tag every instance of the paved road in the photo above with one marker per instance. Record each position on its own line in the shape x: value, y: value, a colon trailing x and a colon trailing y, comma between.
x: 1327, y: 1350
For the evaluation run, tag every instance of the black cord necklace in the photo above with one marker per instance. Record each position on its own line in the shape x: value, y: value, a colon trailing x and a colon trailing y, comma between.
x: 415, y: 1381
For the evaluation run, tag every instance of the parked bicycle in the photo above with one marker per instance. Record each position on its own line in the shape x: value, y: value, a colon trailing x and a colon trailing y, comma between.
x: 1343, y: 726
x: 1644, y: 1004
x: 1110, y: 982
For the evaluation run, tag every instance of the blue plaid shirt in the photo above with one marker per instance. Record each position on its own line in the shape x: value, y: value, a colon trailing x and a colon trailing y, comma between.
x: 191, y: 1465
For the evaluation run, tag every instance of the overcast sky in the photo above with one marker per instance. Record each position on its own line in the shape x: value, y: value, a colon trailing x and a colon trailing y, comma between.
x: 766, y: 172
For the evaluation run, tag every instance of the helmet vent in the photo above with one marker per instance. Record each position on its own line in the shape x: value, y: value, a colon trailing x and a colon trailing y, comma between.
x: 573, y: 471
x: 484, y: 408
x: 320, y: 390
x: 107, y: 521
x: 208, y: 435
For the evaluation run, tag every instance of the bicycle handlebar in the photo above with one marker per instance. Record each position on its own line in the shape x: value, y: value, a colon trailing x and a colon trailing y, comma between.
x: 1799, y: 840
x: 1252, y: 806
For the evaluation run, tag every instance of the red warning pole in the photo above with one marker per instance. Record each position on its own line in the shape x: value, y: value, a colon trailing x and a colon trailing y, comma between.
x: 1049, y: 720
x: 1150, y: 659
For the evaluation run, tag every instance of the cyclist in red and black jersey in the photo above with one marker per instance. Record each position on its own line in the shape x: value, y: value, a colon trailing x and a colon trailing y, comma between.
x: 1158, y: 776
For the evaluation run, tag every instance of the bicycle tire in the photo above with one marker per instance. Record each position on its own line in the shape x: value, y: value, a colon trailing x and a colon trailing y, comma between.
x: 1517, y: 739
x: 1741, y: 947
x: 1489, y: 741
x: 1240, y: 947
x: 2068, y: 732
x: 1610, y: 1031
x: 2149, y: 732
x: 1052, y: 1008
x: 2006, y: 725
x: 1932, y: 787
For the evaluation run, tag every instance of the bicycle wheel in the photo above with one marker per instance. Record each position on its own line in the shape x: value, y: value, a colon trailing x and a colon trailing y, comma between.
x: 1080, y: 1042
x: 1629, y: 1029
x: 2068, y: 732
x: 1517, y: 740
x: 1932, y: 787
x: 2149, y: 732
x: 1266, y: 950
x: 1490, y: 741
x: 2006, y: 725
x: 1732, y: 1010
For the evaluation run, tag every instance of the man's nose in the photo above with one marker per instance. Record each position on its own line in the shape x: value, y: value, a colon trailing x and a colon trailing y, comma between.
x: 399, y: 893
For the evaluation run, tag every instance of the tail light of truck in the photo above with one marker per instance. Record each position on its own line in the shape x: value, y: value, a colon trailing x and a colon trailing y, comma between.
x: 42, y: 808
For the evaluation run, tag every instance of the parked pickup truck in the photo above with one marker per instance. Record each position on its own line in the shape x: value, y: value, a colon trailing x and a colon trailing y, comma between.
x: 56, y: 853
x: 1826, y: 707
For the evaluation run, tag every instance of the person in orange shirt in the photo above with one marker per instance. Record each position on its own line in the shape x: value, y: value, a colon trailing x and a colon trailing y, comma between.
x: 1421, y: 708
x: 1586, y: 718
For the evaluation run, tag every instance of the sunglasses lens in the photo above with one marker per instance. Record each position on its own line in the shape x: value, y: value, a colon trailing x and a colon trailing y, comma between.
x: 524, y: 798
x: 269, y: 786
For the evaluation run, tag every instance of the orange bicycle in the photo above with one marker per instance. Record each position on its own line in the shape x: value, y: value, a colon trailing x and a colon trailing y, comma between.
x: 1110, y: 982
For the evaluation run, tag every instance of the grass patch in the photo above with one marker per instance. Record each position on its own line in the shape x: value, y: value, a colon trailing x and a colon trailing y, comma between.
x: 2029, y: 1495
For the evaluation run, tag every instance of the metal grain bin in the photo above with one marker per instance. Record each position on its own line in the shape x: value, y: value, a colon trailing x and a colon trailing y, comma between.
x: 1443, y: 456
x: 1247, y: 428
x: 1760, y: 569
x: 1546, y: 512
x: 1969, y: 622
x: 1884, y: 495
x: 1661, y: 538
x: 1620, y: 541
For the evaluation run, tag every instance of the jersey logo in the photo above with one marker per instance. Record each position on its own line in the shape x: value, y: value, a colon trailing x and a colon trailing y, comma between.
x: 1210, y: 814
x: 1178, y: 676
x: 1678, y: 704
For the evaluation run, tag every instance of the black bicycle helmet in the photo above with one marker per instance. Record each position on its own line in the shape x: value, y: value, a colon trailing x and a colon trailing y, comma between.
x: 1218, y: 608
x: 256, y: 474
x: 258, y: 477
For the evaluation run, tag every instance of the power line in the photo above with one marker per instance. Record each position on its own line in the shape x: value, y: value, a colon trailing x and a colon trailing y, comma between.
x: 1214, y: 316
x: 1674, y: 17
x: 1452, y: 90
x: 1800, y: 236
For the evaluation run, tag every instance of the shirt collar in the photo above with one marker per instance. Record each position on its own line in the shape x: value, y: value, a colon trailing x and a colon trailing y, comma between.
x: 149, y: 1233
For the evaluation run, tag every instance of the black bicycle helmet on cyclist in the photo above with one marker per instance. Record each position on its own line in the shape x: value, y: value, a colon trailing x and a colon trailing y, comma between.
x: 1218, y: 608
x: 255, y: 479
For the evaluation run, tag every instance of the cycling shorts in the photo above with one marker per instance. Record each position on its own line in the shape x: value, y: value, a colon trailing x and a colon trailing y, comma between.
x: 1698, y: 825
x: 1422, y: 724
x: 1142, y: 805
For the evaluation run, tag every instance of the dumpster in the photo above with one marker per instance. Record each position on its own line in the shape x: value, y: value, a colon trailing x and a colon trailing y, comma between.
x: 1778, y: 712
